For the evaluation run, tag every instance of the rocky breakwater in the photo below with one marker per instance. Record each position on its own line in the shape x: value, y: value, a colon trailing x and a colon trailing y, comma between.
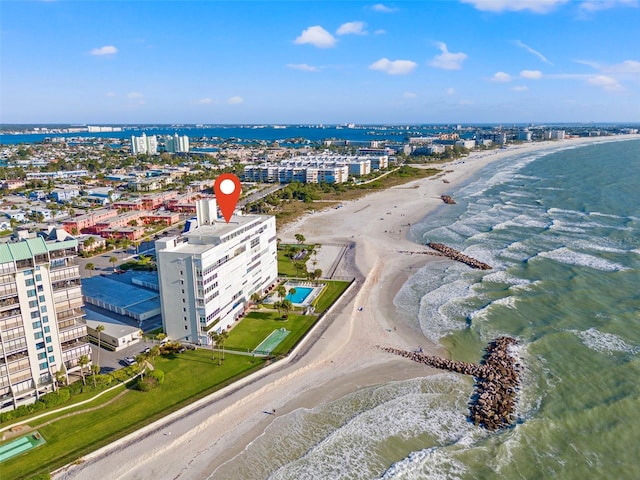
x: 457, y: 256
x: 497, y: 381
x: 447, y: 199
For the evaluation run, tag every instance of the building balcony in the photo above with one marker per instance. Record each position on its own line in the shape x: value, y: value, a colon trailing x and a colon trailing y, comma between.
x: 8, y: 302
x: 72, y: 313
x: 7, y: 337
x: 10, y: 313
x: 15, y: 356
x: 77, y: 343
x: 64, y: 284
x: 68, y: 252
x: 8, y: 292
x: 70, y: 323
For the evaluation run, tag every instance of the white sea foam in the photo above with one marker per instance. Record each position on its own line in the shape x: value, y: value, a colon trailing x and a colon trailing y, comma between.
x: 440, y: 307
x: 605, y: 342
x: 429, y: 464
x: 567, y: 256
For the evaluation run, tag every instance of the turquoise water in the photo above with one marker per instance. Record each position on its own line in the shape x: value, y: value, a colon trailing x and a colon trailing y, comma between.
x: 300, y: 294
x: 562, y: 231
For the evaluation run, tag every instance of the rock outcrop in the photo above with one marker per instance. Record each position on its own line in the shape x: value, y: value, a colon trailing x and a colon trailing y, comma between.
x: 497, y: 381
x: 457, y: 256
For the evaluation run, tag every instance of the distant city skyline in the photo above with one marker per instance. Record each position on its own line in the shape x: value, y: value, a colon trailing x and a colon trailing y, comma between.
x: 294, y: 62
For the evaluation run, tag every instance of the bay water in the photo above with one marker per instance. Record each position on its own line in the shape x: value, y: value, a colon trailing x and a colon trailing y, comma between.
x: 561, y: 230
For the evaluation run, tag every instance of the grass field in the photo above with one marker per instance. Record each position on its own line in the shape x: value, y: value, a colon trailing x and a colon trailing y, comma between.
x: 285, y: 264
x: 332, y: 290
x: 255, y: 327
x: 188, y: 376
x: 271, y: 342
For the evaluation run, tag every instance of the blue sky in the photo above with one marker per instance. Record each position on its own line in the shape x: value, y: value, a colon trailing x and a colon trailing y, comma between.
x: 447, y: 61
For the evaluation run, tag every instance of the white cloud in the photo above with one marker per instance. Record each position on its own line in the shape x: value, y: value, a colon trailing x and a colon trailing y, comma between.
x: 351, y: 28
x: 448, y: 60
x: 520, y: 88
x: 409, y: 95
x: 235, y: 100
x: 608, y: 83
x: 451, y: 91
x: 134, y: 95
x: 380, y: 32
x: 396, y: 67
x: 316, y: 36
x: 531, y: 74
x: 203, y: 101
x: 379, y: 7
x: 626, y: 67
x: 106, y: 50
x: 594, y: 5
x: 532, y: 51
x: 501, y: 77
x: 536, y: 6
x: 303, y: 66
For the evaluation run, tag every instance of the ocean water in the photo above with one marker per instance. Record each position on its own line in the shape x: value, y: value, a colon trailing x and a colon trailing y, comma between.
x: 562, y: 232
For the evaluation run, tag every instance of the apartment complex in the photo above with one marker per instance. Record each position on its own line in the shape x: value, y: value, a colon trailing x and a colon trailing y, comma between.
x: 42, y: 325
x: 207, y: 275
x: 316, y: 169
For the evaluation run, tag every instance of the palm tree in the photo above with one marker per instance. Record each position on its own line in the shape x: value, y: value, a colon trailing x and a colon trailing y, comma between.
x: 141, y: 361
x: 154, y: 352
x: 292, y: 291
x: 91, y: 267
x: 99, y: 329
x: 95, y: 370
x: 287, y: 306
x: 300, y: 238
x: 281, y: 291
x: 222, y: 337
x: 113, y: 260
x: 215, y: 338
x: 255, y: 298
x: 61, y: 375
x: 83, y: 361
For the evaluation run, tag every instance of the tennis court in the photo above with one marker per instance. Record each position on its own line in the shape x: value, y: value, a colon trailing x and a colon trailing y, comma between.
x: 271, y: 342
x: 20, y: 445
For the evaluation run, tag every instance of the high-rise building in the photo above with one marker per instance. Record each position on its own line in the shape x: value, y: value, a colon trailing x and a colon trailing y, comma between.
x: 176, y: 144
x: 208, y: 274
x: 144, y: 144
x: 42, y: 325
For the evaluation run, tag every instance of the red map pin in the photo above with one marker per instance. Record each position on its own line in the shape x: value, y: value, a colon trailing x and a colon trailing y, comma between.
x: 227, y: 190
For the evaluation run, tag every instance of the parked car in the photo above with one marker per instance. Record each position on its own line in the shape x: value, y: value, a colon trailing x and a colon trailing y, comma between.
x: 129, y: 361
x: 146, y: 350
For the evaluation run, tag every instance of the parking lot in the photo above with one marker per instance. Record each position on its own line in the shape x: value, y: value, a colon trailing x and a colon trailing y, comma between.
x: 110, y: 361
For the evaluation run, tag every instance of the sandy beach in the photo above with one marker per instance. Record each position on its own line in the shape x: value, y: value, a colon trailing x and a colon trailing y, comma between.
x: 337, y: 358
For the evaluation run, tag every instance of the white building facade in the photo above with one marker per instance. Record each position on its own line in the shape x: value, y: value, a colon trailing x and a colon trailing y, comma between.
x: 208, y: 275
x: 42, y: 325
x: 144, y: 144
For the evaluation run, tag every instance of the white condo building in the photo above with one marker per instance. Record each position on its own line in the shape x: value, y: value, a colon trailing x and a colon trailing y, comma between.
x: 176, y: 143
x: 144, y: 144
x: 42, y: 325
x: 208, y: 274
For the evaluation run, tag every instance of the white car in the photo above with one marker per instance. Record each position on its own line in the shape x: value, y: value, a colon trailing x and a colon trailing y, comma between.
x: 129, y: 361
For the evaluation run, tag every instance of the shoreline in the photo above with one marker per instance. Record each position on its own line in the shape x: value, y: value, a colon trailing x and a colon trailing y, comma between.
x: 342, y: 360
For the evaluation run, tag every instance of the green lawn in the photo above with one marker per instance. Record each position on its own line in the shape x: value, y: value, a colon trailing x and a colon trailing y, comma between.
x: 285, y: 264
x: 255, y: 327
x: 188, y: 376
x: 332, y: 290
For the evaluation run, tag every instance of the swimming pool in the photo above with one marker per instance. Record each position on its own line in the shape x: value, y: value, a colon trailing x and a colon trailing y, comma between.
x: 300, y: 295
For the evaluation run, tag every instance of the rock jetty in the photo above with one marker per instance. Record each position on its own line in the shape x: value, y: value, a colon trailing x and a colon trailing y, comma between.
x: 497, y: 381
x: 447, y: 199
x: 457, y: 256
